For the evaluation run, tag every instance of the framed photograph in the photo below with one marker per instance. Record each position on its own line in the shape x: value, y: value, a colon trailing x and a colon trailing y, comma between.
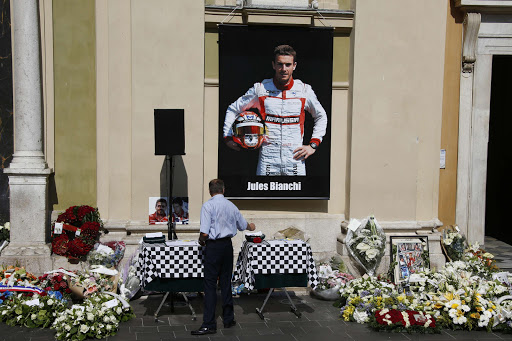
x: 409, y: 255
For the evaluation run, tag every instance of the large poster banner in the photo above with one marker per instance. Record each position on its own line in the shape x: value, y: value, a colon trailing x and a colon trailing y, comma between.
x: 275, y: 89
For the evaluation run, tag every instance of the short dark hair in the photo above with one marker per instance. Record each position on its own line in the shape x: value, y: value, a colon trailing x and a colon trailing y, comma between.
x: 285, y: 50
x: 161, y: 200
x: 177, y: 200
x: 216, y: 186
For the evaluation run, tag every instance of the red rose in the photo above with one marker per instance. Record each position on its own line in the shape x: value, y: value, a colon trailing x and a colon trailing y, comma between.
x: 59, y: 244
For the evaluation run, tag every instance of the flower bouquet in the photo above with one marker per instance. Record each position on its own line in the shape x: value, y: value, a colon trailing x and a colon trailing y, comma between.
x: 107, y: 254
x: 57, y: 280
x: 87, y: 283
x: 453, y: 243
x: 331, y: 280
x: 76, y: 231
x: 16, y: 276
x: 366, y: 244
x: 408, y: 320
x: 130, y: 283
x: 31, y: 311
x: 5, y: 231
x: 98, y: 317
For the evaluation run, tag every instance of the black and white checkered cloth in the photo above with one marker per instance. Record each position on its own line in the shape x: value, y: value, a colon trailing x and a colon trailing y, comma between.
x: 163, y: 261
x: 274, y: 257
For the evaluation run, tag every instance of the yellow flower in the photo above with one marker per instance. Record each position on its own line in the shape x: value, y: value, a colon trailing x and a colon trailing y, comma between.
x: 348, y: 312
x: 438, y: 305
x: 449, y: 296
x: 475, y: 315
x: 479, y: 308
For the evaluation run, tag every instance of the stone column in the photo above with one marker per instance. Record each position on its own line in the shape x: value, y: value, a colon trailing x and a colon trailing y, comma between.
x: 28, y: 172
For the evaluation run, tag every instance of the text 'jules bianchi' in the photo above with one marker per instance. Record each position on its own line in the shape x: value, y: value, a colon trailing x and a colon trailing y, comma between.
x: 274, y: 186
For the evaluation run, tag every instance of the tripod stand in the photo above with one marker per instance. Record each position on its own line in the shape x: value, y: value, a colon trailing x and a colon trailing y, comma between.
x: 171, y: 224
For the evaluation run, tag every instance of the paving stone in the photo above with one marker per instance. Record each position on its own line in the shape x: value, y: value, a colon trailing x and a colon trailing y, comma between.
x: 151, y: 329
x: 252, y: 325
x: 170, y: 329
x: 153, y: 336
x: 269, y: 331
x: 303, y: 323
x: 267, y: 338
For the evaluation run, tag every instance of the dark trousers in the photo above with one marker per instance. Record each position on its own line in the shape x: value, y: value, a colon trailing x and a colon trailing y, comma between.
x: 218, y: 263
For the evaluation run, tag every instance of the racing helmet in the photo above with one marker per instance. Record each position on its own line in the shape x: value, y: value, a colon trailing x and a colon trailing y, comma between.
x: 249, y: 131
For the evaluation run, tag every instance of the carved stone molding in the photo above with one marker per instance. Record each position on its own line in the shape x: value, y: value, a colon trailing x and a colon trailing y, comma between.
x: 469, y: 47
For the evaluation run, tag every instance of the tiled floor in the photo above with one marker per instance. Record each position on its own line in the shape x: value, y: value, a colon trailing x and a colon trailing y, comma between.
x: 502, y: 252
x: 319, y: 320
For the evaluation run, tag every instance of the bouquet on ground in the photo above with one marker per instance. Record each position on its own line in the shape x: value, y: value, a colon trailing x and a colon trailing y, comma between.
x: 32, y: 310
x: 333, y: 276
x: 366, y: 244
x: 5, y: 231
x: 130, y: 283
x: 76, y: 231
x: 98, y: 279
x: 453, y: 243
x: 107, y: 254
x: 57, y: 280
x: 408, y: 320
x: 97, y: 317
x: 16, y: 276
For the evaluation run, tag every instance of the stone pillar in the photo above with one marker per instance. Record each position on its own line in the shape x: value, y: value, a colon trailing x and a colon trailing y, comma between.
x: 28, y: 172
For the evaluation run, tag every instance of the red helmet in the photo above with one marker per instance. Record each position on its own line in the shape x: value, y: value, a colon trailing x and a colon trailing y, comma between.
x: 249, y: 131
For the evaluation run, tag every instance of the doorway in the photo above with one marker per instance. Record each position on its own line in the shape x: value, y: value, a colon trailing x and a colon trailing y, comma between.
x: 499, y: 153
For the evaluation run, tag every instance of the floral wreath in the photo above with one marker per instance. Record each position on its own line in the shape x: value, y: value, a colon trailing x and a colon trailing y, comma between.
x: 81, y: 226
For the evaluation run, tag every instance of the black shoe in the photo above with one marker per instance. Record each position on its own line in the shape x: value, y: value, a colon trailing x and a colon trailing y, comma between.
x: 203, y: 331
x: 230, y: 324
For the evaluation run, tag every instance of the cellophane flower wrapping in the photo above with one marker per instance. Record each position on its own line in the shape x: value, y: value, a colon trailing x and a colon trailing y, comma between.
x: 130, y: 282
x: 87, y: 283
x: 332, y: 274
x: 454, y: 243
x: 107, y: 254
x: 366, y: 244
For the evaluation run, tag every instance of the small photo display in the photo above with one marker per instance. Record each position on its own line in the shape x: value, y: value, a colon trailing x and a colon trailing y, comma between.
x: 158, y: 210
x: 411, y: 256
x: 179, y: 210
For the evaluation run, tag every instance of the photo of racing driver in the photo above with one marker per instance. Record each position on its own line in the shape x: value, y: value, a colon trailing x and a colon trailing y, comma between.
x: 282, y: 102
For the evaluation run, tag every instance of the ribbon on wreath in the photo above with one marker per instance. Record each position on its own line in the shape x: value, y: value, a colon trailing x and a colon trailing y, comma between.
x: 122, y: 300
x: 61, y: 271
x: 20, y: 288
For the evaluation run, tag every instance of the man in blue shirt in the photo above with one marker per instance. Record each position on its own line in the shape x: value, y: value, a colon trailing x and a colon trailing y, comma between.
x: 220, y: 220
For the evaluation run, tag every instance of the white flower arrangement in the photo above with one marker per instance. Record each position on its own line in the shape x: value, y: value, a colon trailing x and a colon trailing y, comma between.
x: 98, y: 317
x: 462, y: 294
x: 366, y: 244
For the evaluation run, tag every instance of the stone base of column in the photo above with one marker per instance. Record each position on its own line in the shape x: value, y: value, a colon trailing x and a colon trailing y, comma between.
x: 34, y: 257
x: 29, y: 219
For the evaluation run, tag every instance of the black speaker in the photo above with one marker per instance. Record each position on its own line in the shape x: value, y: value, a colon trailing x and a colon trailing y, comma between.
x: 169, y: 132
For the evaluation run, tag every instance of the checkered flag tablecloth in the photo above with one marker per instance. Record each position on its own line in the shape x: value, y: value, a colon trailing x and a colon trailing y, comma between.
x: 174, y: 261
x: 274, y: 257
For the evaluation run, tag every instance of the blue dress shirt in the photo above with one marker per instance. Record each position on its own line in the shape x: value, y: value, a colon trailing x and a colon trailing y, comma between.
x: 220, y: 218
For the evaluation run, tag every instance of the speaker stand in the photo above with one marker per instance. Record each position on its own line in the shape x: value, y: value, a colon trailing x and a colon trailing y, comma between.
x: 171, y: 225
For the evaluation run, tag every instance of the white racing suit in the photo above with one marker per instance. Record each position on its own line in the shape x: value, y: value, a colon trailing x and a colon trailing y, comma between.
x: 284, y: 114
